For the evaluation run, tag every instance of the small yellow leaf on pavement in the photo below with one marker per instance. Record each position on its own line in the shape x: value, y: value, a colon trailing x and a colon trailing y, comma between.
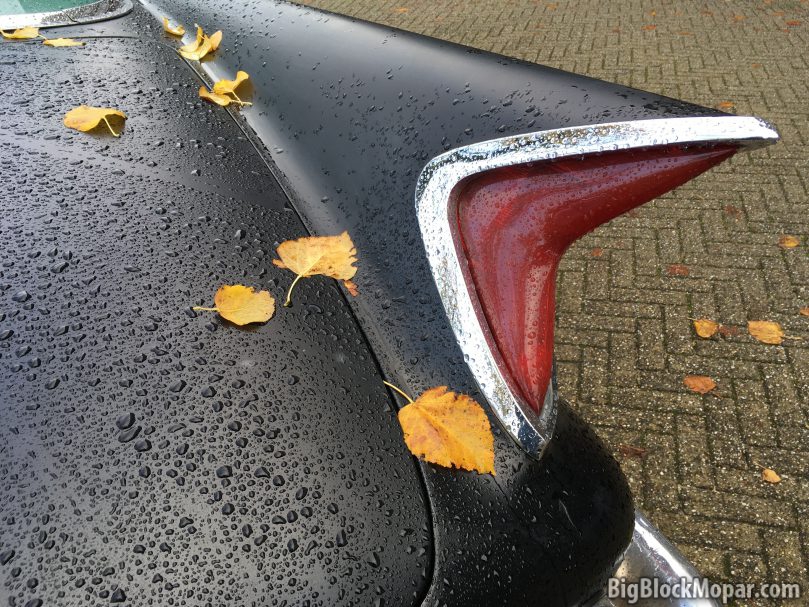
x: 242, y: 305
x: 86, y: 118
x: 765, y: 331
x: 331, y: 256
x: 788, y: 242
x: 24, y: 33
x: 705, y: 328
x: 770, y: 475
x: 449, y: 429
x: 222, y: 100
x: 62, y: 42
x: 174, y: 30
x: 192, y: 46
x: 699, y: 383
x: 804, y: 311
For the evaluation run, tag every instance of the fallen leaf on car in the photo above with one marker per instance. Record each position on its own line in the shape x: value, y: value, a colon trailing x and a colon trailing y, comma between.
x: 222, y: 100
x: 62, y: 42
x: 228, y: 87
x: 770, y: 475
x: 705, y: 328
x: 23, y: 33
x: 174, y: 30
x: 765, y: 331
x: 331, y: 256
x: 216, y: 40
x: 677, y: 269
x: 699, y: 383
x: 192, y: 46
x: 85, y: 118
x: 632, y: 451
x: 242, y: 305
x: 203, y: 45
x: 448, y: 429
x: 787, y: 241
x: 198, y: 53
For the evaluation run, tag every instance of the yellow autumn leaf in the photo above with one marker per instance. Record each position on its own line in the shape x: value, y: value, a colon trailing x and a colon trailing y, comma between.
x: 216, y: 98
x: 174, y: 30
x: 448, y: 429
x: 86, y: 118
x: 242, y: 305
x: 699, y: 383
x: 331, y: 256
x: 199, y: 52
x: 804, y: 311
x: 228, y: 87
x: 216, y: 40
x: 192, y: 46
x: 770, y: 475
x: 62, y: 42
x: 765, y: 331
x: 24, y: 33
x: 788, y: 242
x: 705, y: 328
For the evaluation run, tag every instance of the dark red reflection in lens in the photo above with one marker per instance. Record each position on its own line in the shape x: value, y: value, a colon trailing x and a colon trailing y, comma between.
x: 515, y: 223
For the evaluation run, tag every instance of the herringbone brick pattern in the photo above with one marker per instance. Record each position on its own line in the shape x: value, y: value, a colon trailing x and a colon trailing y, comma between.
x: 624, y: 337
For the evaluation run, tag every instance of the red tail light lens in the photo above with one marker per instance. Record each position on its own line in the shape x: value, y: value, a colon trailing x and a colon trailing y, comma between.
x: 515, y: 223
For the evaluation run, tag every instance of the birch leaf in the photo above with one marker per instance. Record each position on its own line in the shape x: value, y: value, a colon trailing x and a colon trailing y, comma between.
x: 174, y: 30
x: 331, y: 256
x: 198, y: 53
x: 705, y: 328
x: 765, y: 331
x: 192, y: 46
x: 62, y: 42
x: 216, y: 40
x: 85, y: 118
x: 242, y: 305
x: 770, y: 475
x: 24, y: 33
x: 224, y: 87
x: 449, y: 429
x: 788, y: 242
x: 699, y: 383
x: 216, y: 98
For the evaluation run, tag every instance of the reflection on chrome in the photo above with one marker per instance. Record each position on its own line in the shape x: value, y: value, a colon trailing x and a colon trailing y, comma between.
x: 436, y: 212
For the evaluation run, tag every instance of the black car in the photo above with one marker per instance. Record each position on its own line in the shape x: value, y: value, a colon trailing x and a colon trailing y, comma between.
x: 154, y: 455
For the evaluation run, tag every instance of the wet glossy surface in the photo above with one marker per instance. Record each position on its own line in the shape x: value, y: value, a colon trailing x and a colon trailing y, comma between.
x: 515, y: 223
x: 349, y: 113
x: 150, y: 454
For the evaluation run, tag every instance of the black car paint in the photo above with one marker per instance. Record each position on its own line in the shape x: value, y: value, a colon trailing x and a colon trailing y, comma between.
x: 345, y: 115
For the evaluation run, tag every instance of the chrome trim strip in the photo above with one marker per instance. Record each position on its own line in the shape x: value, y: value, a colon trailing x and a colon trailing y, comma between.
x: 87, y: 13
x: 651, y: 555
x: 436, y: 211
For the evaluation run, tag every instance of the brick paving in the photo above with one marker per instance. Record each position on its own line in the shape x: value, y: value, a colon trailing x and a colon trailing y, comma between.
x: 624, y: 338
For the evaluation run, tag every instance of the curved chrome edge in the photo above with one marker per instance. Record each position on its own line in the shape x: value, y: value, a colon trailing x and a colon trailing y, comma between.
x: 651, y: 555
x: 436, y: 211
x: 87, y: 13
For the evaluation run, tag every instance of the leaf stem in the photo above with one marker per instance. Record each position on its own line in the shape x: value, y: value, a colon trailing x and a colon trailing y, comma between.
x: 239, y: 101
x: 107, y: 122
x: 400, y: 391
x: 288, y: 302
x: 202, y: 309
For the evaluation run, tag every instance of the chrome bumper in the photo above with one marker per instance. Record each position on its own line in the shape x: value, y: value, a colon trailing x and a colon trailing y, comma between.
x: 651, y: 555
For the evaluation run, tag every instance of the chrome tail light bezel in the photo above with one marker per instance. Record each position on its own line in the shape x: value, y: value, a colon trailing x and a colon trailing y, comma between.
x: 436, y: 211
